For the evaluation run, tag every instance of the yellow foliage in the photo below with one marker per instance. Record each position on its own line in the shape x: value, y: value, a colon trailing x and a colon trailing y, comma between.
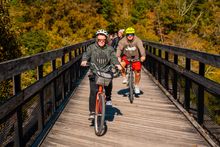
x: 187, y: 40
x: 213, y: 74
x: 69, y: 22
x: 145, y: 29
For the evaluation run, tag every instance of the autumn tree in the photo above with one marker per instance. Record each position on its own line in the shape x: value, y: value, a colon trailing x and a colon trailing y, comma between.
x: 9, y: 47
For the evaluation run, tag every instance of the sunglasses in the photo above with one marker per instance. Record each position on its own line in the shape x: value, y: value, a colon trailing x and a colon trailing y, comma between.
x: 129, y: 34
x: 101, y: 40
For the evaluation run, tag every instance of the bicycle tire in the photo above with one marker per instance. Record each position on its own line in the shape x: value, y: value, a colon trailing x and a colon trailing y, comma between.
x: 99, y: 114
x: 131, y: 87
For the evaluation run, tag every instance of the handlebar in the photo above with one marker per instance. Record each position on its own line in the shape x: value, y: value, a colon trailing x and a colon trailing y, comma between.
x: 109, y: 68
x: 133, y: 60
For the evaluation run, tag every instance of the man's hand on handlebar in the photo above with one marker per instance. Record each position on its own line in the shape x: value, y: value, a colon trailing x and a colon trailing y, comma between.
x: 142, y: 59
x: 119, y: 59
x: 119, y: 67
x: 84, y: 63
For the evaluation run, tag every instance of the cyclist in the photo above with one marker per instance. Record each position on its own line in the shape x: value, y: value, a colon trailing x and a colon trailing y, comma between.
x: 131, y: 46
x: 117, y: 39
x: 101, y: 54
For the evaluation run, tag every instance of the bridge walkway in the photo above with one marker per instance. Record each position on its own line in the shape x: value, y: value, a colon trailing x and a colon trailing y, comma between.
x: 152, y: 120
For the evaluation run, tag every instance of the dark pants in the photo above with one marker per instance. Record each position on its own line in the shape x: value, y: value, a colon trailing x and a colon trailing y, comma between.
x: 94, y: 90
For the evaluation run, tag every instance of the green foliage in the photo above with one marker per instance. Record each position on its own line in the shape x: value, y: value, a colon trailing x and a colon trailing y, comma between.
x: 5, y: 90
x: 213, y: 104
x: 169, y: 21
x: 9, y: 48
x: 138, y: 10
x: 14, y: 2
x: 35, y: 41
x: 106, y: 9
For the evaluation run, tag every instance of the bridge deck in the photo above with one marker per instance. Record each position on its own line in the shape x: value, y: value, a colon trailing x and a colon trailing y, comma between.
x: 152, y: 120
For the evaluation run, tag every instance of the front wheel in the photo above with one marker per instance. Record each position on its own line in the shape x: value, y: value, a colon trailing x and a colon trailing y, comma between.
x: 99, y: 114
x: 131, y: 87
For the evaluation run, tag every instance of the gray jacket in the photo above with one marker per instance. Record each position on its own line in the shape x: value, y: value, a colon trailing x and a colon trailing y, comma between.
x: 102, y: 57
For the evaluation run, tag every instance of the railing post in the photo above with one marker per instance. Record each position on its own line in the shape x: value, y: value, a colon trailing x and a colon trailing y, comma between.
x: 40, y: 76
x: 77, y: 64
x: 201, y: 95
x: 63, y: 78
x: 74, y: 69
x: 80, y: 68
x: 19, y: 129
x: 159, y: 67
x: 175, y: 78
x: 154, y: 63
x: 71, y: 72
x: 187, y: 86
x: 53, y: 64
x: 145, y: 62
x: 166, y: 71
x: 150, y: 61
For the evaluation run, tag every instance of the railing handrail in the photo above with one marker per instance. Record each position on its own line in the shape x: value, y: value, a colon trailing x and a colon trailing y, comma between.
x: 16, y: 66
x: 13, y: 67
x: 59, y: 84
x: 206, y: 58
x: 162, y: 63
x: 210, y: 85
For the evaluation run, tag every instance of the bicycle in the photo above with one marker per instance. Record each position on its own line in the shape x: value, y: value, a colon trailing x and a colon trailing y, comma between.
x: 103, y: 78
x: 130, y: 75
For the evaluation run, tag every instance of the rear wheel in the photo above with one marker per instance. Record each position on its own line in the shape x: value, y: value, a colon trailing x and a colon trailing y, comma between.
x: 131, y: 87
x: 100, y: 114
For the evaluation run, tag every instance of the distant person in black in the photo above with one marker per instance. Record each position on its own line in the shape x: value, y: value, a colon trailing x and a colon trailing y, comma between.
x: 117, y: 39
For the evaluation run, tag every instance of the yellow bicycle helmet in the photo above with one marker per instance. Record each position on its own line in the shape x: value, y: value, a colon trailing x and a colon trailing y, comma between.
x: 130, y: 30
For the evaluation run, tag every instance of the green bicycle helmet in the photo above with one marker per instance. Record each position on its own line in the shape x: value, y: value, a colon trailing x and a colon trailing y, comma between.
x: 130, y: 30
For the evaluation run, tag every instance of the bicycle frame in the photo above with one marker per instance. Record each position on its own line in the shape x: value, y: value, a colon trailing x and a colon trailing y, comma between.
x: 130, y: 82
x: 99, y: 121
x: 131, y: 79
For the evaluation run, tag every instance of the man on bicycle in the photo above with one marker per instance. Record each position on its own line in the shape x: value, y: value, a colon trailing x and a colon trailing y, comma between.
x: 117, y: 39
x: 102, y: 55
x: 131, y: 47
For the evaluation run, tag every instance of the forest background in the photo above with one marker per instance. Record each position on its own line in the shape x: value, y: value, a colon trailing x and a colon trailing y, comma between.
x: 28, y: 27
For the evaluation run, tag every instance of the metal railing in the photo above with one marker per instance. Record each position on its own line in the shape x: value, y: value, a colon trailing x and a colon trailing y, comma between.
x: 26, y: 116
x: 182, y: 73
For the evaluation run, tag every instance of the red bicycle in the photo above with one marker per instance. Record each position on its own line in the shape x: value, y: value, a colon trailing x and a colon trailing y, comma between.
x: 103, y: 78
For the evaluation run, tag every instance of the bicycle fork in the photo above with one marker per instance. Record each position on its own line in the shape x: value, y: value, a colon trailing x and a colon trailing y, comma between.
x: 100, y: 92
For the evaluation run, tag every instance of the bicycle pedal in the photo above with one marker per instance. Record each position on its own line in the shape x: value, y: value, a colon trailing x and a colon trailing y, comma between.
x: 91, y: 119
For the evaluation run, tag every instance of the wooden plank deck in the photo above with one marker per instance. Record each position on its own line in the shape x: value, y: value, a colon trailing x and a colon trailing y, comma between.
x: 152, y: 120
